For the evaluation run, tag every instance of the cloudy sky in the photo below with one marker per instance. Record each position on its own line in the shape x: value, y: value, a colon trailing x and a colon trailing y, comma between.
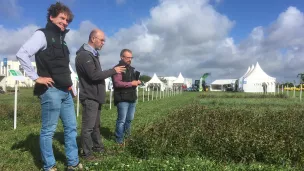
x: 167, y: 37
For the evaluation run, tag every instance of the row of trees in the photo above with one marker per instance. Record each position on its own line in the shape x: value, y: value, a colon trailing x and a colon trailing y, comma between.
x: 144, y: 78
x: 291, y: 84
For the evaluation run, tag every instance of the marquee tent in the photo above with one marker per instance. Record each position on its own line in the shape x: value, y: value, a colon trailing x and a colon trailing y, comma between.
x: 254, y: 80
x: 241, y: 79
x: 221, y: 85
x: 155, y: 82
x: 179, y: 81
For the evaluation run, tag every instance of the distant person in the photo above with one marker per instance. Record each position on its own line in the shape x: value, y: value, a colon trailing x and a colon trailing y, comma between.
x: 92, y: 91
x: 52, y: 84
x: 125, y: 96
x: 204, y: 85
x: 264, y: 85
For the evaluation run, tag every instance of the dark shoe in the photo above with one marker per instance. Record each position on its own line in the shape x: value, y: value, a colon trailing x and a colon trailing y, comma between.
x: 99, y: 150
x: 79, y: 166
x: 90, y: 158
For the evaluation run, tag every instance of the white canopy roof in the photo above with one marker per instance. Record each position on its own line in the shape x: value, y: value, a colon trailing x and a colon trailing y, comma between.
x: 223, y: 81
x: 253, y: 81
x: 155, y: 81
x: 180, y: 79
x: 248, y: 73
x: 258, y: 73
x: 248, y: 70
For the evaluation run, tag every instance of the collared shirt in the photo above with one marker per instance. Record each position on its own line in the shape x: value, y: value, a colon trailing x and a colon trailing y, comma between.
x: 94, y: 51
x: 30, y: 48
x: 117, y: 79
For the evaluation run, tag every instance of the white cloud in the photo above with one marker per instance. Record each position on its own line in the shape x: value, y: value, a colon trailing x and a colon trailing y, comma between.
x: 12, y: 39
x: 192, y: 37
x: 10, y: 8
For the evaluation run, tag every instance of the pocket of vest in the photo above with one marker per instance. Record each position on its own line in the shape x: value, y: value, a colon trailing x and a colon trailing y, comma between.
x: 57, y: 52
x: 128, y: 96
x: 59, y: 62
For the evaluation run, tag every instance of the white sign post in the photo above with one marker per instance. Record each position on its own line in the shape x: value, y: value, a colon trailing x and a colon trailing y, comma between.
x: 77, y: 96
x: 148, y: 93
x: 110, y: 87
x: 294, y: 91
x: 111, y: 98
x: 78, y: 100
x: 300, y: 92
x: 137, y: 94
x: 143, y: 94
x: 17, y: 76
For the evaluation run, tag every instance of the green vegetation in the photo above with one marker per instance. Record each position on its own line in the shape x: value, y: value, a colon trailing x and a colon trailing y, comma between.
x: 189, y: 131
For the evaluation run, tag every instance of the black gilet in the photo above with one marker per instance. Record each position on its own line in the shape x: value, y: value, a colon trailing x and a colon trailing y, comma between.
x: 54, y: 60
x: 125, y: 94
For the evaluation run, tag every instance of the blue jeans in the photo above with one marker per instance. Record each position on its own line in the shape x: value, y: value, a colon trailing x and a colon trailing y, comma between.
x: 55, y: 104
x: 125, y: 116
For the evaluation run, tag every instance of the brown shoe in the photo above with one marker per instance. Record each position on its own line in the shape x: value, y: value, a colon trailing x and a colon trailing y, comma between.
x: 120, y: 147
x: 79, y: 166
x: 53, y: 169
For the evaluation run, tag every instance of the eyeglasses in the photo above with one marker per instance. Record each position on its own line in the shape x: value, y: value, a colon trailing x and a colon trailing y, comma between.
x: 102, y: 40
x: 128, y: 57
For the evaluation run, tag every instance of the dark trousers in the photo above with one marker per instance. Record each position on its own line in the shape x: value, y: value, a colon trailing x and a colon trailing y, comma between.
x: 90, y: 131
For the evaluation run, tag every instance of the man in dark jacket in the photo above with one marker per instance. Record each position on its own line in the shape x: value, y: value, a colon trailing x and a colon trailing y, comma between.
x: 92, y: 91
x: 125, y: 96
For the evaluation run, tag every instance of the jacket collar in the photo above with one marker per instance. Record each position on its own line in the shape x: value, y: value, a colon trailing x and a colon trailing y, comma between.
x: 89, y: 48
x: 55, y: 28
x: 122, y: 63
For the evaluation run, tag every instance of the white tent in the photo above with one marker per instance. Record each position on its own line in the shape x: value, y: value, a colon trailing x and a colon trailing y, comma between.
x: 169, y: 81
x: 221, y: 85
x: 155, y: 82
x: 179, y: 81
x: 241, y: 79
x: 254, y: 80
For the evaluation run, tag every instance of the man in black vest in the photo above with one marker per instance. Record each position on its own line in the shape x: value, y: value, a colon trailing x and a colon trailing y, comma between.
x: 125, y: 96
x: 92, y: 91
x: 53, y: 82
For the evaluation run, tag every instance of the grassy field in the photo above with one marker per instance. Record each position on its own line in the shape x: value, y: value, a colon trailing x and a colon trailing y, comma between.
x: 188, y: 131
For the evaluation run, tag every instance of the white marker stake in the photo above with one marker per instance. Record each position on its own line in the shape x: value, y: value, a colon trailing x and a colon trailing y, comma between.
x: 17, y: 76
x: 137, y: 94
x: 111, y: 99
x: 78, y: 101
x: 148, y: 93
x: 301, y: 92
x: 152, y: 93
x: 15, y: 107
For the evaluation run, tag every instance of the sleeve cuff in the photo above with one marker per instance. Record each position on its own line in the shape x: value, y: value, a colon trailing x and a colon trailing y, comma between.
x: 35, y: 77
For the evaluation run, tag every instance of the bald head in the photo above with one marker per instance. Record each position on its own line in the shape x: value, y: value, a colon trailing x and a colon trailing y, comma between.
x: 96, y: 39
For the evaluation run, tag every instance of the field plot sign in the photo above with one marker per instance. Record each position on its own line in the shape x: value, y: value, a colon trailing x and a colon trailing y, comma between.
x: 17, y: 76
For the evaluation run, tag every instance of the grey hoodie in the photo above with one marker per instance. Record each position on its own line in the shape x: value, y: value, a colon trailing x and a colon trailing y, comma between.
x: 90, y: 75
